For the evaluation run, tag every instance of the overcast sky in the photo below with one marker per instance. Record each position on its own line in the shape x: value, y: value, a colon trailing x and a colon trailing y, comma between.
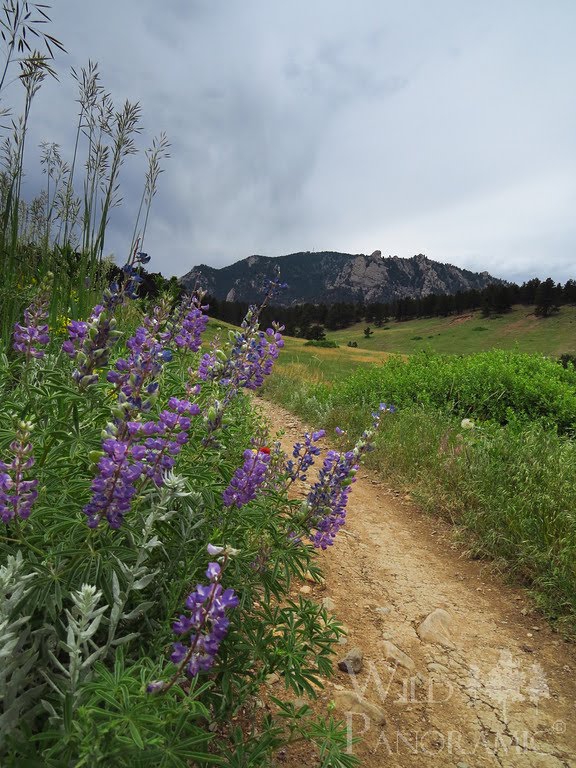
x: 443, y: 127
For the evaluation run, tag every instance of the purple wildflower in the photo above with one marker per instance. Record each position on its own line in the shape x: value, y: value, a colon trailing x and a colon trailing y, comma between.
x: 203, y: 630
x: 133, y: 450
x: 33, y: 334
x: 135, y: 377
x: 194, y: 323
x: 90, y: 348
x: 17, y: 494
x: 206, y: 625
x: 304, y: 456
x: 89, y: 345
x: 250, y: 359
x: 246, y: 480
x: 78, y: 330
x: 164, y: 439
x: 184, y: 326
x: 115, y: 485
x: 327, y: 500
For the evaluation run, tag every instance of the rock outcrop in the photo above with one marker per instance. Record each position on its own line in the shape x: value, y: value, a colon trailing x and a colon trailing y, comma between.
x: 330, y: 277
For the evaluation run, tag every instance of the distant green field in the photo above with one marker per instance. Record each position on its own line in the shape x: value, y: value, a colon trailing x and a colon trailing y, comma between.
x: 315, y: 364
x: 461, y: 334
x: 470, y: 332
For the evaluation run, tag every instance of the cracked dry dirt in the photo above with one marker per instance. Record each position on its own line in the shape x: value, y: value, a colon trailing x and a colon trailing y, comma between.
x: 504, y: 694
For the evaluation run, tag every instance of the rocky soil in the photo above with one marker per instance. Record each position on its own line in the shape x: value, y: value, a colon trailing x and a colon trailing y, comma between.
x: 454, y: 667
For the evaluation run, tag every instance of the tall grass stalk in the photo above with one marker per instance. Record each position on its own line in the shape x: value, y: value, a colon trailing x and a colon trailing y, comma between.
x: 59, y: 231
x: 154, y: 154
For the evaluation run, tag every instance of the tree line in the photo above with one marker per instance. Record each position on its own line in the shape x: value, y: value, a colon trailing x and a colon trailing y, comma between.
x: 310, y: 320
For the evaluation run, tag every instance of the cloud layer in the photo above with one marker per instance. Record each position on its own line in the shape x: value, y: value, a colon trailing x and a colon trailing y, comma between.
x: 446, y: 128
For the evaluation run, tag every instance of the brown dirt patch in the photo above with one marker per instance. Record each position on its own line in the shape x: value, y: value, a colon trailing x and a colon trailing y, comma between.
x: 460, y: 319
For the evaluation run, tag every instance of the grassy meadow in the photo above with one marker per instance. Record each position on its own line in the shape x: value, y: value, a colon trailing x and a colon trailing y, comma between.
x: 463, y: 334
x: 484, y: 439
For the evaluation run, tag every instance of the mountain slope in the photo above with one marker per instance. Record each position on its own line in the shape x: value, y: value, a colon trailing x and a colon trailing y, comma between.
x: 328, y: 276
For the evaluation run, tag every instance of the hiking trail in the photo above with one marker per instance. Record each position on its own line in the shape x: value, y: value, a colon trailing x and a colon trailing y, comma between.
x: 458, y: 669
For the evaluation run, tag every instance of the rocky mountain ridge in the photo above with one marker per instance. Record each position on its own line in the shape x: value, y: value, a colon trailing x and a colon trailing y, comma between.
x: 329, y: 277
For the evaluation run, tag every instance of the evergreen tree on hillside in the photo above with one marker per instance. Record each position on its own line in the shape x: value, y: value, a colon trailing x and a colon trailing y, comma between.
x: 547, y: 298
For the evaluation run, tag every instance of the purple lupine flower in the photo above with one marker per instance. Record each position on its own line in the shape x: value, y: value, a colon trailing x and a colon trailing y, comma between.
x: 247, y: 479
x: 207, y: 365
x: 130, y: 283
x: 16, y: 493
x: 164, y: 439
x: 194, y: 322
x: 90, y: 346
x: 33, y: 333
x: 115, y: 485
x: 206, y: 626
x: 94, y: 346
x: 250, y: 359
x: 78, y: 330
x: 184, y: 325
x: 135, y: 377
x: 157, y: 320
x: 247, y: 360
x: 327, y: 500
x: 303, y: 454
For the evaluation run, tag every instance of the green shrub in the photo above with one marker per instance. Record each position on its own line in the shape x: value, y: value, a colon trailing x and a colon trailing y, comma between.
x: 328, y: 343
x: 496, y: 385
x: 94, y: 591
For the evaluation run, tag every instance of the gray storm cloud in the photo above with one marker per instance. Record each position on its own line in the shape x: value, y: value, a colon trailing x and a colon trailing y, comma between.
x: 446, y: 128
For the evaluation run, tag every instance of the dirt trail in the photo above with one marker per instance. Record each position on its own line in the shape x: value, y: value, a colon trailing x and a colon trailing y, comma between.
x: 495, y: 686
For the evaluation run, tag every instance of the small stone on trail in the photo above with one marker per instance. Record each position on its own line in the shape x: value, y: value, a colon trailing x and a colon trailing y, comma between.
x: 328, y: 603
x: 272, y: 678
x: 308, y: 576
x: 352, y: 662
x: 434, y: 667
x: 306, y: 590
x: 384, y: 611
x: 436, y: 628
x: 393, y: 653
x: 348, y: 701
x: 343, y: 639
x: 527, y: 649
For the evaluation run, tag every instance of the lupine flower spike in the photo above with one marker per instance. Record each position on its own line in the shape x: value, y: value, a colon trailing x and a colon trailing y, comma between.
x: 33, y: 334
x: 325, y: 505
x: 203, y: 629
x: 303, y: 456
x: 89, y: 343
x: 16, y: 493
x: 247, y: 478
x: 132, y: 450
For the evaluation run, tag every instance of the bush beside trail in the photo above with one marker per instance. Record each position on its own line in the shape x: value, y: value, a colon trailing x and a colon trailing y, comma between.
x: 484, y: 441
x: 149, y: 544
x: 497, y: 385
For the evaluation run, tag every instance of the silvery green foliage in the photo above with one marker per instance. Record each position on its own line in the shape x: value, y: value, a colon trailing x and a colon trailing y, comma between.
x: 83, y: 622
x: 18, y: 655
x: 65, y: 679
x: 137, y: 576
